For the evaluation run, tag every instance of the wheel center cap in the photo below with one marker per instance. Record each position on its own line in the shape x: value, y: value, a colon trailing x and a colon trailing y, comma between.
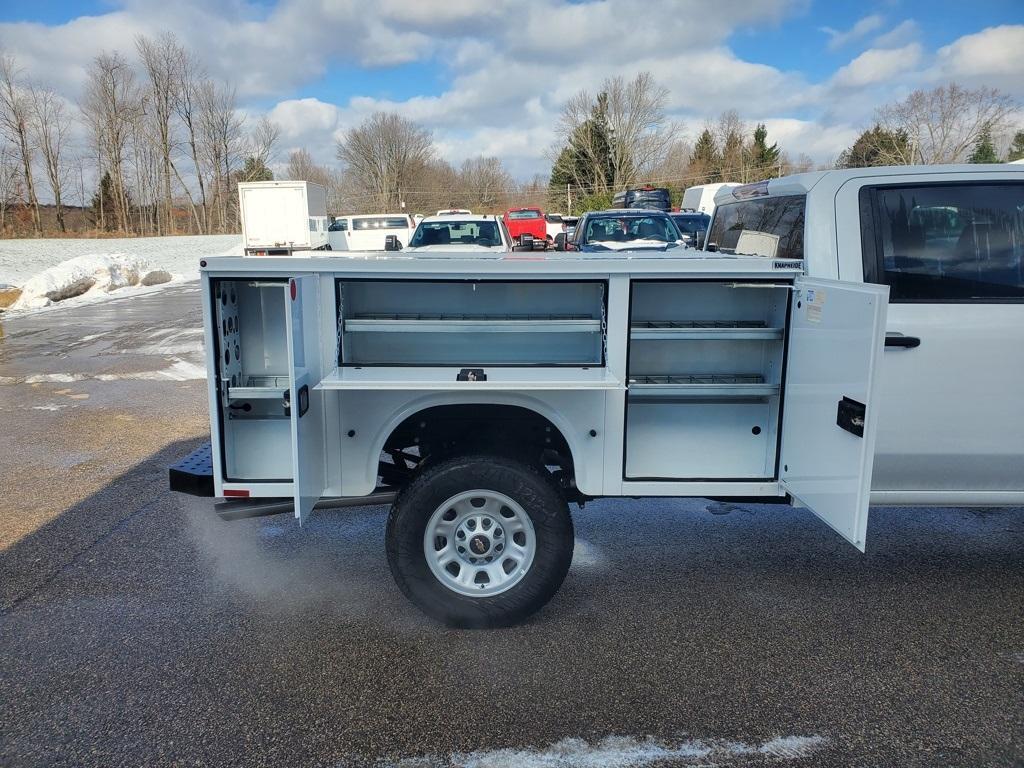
x: 479, y: 544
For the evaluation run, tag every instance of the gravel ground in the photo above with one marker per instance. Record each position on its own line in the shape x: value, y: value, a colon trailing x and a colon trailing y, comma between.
x: 136, y: 628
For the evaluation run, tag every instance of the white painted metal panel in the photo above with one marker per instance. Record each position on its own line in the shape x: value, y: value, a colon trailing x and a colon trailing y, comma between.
x: 307, y: 414
x: 444, y: 379
x: 835, y: 349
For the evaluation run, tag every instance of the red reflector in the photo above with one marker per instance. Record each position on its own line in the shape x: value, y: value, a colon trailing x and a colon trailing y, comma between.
x: 293, y: 288
x: 233, y: 492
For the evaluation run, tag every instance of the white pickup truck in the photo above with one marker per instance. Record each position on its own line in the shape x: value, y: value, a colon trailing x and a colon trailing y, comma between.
x: 481, y: 395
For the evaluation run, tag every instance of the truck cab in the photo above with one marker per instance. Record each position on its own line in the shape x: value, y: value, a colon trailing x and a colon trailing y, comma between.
x: 948, y: 242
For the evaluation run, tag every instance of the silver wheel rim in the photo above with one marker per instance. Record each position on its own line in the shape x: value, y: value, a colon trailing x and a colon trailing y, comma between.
x: 479, y: 543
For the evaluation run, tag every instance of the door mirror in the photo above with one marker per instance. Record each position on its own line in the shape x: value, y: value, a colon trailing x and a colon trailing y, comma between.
x: 392, y: 243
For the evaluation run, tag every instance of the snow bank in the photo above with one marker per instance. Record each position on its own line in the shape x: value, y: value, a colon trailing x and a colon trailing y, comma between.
x: 87, y: 275
x: 68, y: 271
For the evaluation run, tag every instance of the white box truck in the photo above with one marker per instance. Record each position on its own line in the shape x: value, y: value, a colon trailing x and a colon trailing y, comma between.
x: 281, y: 217
x: 701, y: 198
x: 854, y: 336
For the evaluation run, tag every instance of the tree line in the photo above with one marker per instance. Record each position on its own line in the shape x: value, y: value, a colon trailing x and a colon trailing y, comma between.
x: 156, y: 146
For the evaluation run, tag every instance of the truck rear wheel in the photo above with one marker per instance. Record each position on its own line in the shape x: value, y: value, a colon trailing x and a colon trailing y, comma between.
x: 480, y: 541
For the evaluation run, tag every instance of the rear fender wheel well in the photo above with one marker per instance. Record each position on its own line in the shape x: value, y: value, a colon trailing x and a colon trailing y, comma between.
x: 441, y: 432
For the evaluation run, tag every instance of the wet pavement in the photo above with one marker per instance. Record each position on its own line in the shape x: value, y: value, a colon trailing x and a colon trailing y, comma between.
x: 136, y: 628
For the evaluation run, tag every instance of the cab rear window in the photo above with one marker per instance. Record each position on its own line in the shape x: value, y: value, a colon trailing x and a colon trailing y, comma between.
x: 769, y: 226
x: 524, y: 215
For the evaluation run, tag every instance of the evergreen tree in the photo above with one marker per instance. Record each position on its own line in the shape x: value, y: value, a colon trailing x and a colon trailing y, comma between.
x: 763, y: 159
x: 984, y: 149
x: 586, y: 161
x: 706, y: 159
x: 877, y: 146
x: 1016, y: 147
x: 255, y: 170
x: 103, y: 206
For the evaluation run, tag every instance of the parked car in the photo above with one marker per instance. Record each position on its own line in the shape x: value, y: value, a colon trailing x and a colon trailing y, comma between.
x: 369, y: 233
x: 692, y: 226
x: 526, y: 221
x: 646, y: 197
x: 555, y: 225
x: 625, y: 230
x: 461, y: 232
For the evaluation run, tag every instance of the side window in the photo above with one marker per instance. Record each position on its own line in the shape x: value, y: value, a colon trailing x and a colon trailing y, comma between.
x: 769, y: 226
x: 946, y: 242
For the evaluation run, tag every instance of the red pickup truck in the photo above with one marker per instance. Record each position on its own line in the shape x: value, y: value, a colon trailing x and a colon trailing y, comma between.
x: 526, y: 221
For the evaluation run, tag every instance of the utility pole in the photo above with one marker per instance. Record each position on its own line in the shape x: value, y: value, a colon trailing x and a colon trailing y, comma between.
x: 568, y: 199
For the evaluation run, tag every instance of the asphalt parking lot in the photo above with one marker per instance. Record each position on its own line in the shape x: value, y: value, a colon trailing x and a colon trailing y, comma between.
x: 136, y: 628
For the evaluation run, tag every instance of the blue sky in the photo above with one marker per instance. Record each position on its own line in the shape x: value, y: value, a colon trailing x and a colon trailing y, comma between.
x: 490, y: 76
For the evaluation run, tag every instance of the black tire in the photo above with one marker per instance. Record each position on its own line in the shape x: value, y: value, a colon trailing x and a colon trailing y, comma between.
x: 533, y: 489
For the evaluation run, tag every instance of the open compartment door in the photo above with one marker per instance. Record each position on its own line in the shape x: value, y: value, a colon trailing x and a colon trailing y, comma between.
x: 836, y: 339
x: 305, y: 403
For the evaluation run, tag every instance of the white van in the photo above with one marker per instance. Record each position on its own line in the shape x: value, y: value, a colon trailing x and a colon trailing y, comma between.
x: 368, y: 233
x: 701, y: 198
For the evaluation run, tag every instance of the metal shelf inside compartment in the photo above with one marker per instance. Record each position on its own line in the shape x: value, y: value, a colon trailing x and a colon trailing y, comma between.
x: 701, y: 385
x: 471, y: 323
x: 706, y: 329
x: 260, y: 388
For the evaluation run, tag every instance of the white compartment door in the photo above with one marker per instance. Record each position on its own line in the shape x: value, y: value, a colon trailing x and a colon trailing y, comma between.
x: 306, y: 403
x: 836, y: 337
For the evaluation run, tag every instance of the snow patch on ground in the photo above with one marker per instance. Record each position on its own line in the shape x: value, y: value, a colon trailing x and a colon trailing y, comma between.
x: 87, y: 277
x: 89, y: 270
x: 627, y: 752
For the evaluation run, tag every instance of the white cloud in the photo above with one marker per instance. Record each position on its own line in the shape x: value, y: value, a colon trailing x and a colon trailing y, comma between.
x: 903, y: 33
x: 509, y: 65
x: 865, y: 26
x: 877, y: 66
x: 992, y: 57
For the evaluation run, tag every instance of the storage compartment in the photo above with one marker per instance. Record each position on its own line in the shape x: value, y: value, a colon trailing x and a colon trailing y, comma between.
x: 252, y: 377
x: 477, y: 323
x: 705, y: 378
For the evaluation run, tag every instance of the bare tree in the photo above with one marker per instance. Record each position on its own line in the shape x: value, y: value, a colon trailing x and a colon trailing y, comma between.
x: 262, y: 141
x: 15, y: 118
x: 382, y: 154
x: 112, y: 105
x: 161, y: 58
x: 220, y: 138
x: 617, y: 136
x: 484, y: 183
x: 187, y: 104
x: 641, y: 133
x: 943, y: 124
x: 731, y: 132
x: 302, y: 168
x: 50, y: 128
x: 8, y: 181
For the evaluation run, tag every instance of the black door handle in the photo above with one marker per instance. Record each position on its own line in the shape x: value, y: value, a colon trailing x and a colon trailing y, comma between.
x: 907, y: 342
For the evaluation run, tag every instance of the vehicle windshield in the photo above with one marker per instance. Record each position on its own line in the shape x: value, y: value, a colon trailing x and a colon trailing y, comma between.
x: 626, y: 229
x: 524, y: 215
x: 691, y: 224
x: 456, y: 233
x: 381, y: 222
x: 554, y: 218
x: 339, y: 225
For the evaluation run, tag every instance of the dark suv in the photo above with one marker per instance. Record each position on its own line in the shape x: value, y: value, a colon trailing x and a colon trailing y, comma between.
x: 625, y: 230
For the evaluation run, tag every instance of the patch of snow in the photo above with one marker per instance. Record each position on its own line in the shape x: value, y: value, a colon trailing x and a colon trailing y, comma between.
x: 165, y: 261
x: 53, y: 378
x: 179, y: 370
x: 623, y: 752
x: 85, y: 275
x: 792, y: 747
